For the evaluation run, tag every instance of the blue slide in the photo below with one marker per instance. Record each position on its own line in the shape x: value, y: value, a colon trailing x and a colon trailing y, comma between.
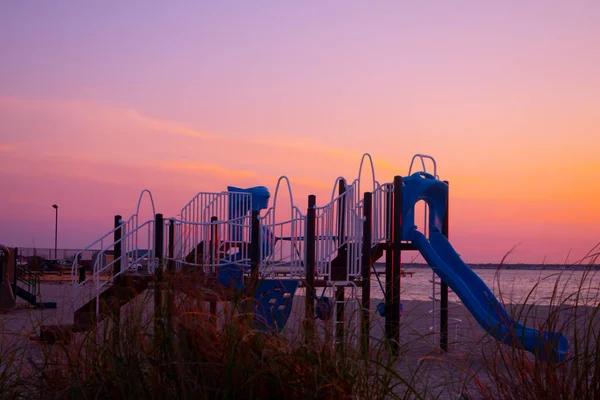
x: 482, y: 303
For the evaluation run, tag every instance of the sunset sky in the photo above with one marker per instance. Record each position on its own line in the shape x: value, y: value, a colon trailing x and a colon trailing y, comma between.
x: 99, y: 100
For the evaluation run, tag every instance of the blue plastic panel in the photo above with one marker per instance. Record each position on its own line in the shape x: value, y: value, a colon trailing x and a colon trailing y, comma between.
x: 273, y: 303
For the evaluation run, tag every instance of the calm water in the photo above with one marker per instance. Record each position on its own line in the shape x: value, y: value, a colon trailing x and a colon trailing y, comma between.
x: 513, y: 285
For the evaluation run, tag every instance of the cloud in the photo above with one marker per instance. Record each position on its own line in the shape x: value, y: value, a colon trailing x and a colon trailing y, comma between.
x: 168, y: 126
x: 210, y: 168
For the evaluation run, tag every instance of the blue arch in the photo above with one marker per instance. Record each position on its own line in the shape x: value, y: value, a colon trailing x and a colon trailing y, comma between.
x: 423, y: 186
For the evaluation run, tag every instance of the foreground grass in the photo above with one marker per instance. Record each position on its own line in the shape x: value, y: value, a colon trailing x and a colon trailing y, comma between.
x: 192, y: 355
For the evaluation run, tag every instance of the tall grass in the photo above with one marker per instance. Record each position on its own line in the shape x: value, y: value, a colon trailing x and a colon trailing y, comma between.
x: 194, y: 354
x: 513, y: 373
x: 191, y: 353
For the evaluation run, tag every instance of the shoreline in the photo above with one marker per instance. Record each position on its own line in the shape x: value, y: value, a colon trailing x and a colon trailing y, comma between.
x: 524, y: 267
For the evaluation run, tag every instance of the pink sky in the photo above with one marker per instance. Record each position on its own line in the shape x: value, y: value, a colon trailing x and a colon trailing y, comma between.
x: 98, y: 102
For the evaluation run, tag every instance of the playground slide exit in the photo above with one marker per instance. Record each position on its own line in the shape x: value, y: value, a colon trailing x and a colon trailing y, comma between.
x: 481, y: 302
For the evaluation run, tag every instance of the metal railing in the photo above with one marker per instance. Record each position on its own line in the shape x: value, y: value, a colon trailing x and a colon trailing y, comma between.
x: 137, y: 252
x: 133, y: 255
x: 217, y: 242
x: 282, y: 246
x: 30, y: 280
x: 203, y: 208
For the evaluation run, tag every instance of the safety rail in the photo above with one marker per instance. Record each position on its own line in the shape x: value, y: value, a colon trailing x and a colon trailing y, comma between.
x: 130, y: 246
x: 30, y: 279
x: 203, y: 208
x: 422, y: 158
x: 338, y: 225
x: 133, y: 257
x: 382, y: 213
x: 282, y: 242
x: 109, y: 236
x: 218, y: 242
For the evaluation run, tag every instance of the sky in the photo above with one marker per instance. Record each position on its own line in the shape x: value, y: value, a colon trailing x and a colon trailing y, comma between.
x: 99, y: 100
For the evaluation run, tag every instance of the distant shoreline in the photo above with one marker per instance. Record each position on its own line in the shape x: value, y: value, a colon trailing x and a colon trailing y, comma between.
x: 525, y: 267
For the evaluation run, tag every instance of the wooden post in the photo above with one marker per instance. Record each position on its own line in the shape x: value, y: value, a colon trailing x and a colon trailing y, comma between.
x: 444, y: 287
x: 117, y: 240
x: 171, y: 249
x: 116, y: 311
x: 366, y: 272
x: 392, y: 306
x: 340, y: 290
x: 389, y: 206
x: 310, y: 267
x: 159, y: 279
x: 171, y: 271
x: 255, y: 247
x: 212, y: 247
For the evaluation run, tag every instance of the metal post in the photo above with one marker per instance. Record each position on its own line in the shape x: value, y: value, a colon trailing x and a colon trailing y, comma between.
x: 366, y: 271
x: 311, y: 217
x: 55, y: 230
x: 444, y: 288
x: 2, y: 266
x: 340, y: 291
x: 16, y: 268
x: 392, y: 306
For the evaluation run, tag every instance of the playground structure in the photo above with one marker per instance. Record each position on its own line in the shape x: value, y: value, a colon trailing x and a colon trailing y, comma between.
x: 18, y: 281
x: 224, y: 246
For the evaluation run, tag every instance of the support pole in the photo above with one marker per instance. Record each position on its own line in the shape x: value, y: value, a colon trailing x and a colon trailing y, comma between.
x: 255, y: 247
x: 389, y: 206
x: 117, y: 248
x: 2, y: 266
x: 444, y: 287
x: 309, y: 316
x: 171, y: 249
x: 212, y: 248
x: 158, y: 286
x: 16, y: 268
x: 170, y: 272
x: 366, y: 272
x: 339, y: 291
x: 55, y: 231
x: 81, y: 271
x: 392, y: 306
x: 116, y: 312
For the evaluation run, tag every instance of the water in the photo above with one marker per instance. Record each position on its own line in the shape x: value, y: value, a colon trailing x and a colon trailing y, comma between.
x: 512, y: 286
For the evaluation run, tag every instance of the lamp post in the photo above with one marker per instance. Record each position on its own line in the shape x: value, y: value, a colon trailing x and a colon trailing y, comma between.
x: 55, y: 230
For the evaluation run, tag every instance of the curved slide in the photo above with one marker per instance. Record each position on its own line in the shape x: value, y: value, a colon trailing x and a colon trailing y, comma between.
x: 482, y: 303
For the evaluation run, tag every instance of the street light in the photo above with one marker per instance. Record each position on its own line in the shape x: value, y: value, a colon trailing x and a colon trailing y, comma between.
x: 55, y: 231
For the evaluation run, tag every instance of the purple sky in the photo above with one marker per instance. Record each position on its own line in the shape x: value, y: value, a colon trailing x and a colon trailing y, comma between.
x: 100, y: 100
